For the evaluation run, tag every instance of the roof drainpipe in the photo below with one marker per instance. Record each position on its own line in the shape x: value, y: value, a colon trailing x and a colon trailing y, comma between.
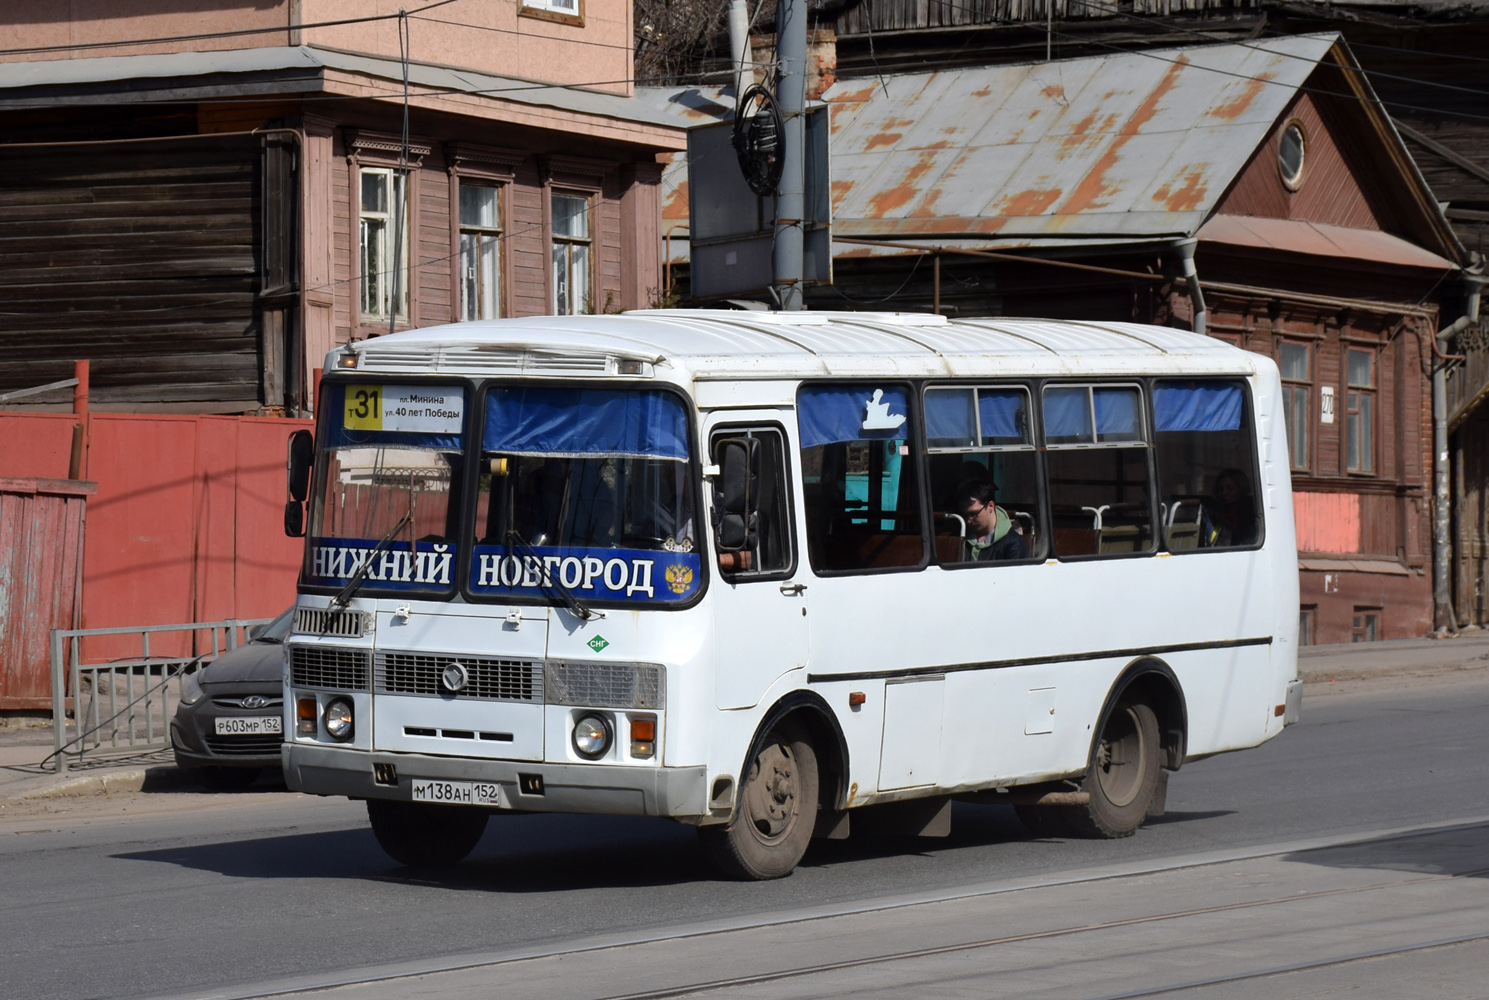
x: 739, y: 45
x: 1442, y: 546
x: 1185, y: 250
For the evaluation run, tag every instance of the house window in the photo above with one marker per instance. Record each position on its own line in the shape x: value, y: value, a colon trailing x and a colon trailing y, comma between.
x: 565, y: 8
x: 384, y: 242
x: 1359, y: 411
x: 480, y: 251
x: 1293, y: 359
x: 1366, y: 627
x: 572, y: 253
x: 1292, y: 149
x: 1306, y: 615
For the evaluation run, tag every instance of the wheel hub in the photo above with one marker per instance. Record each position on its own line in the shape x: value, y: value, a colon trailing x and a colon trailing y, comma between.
x: 770, y: 799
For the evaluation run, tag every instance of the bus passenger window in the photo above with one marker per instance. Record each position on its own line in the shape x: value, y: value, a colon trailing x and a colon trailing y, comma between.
x: 1097, y: 459
x: 1206, y: 457
x: 859, y: 472
x: 773, y: 547
x: 983, y: 474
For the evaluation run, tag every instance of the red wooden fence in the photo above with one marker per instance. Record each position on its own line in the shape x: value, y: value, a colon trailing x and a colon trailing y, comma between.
x: 187, y: 524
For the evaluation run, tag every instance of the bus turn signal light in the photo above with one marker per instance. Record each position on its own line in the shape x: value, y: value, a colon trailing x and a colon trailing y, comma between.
x: 305, y: 712
x: 856, y: 698
x: 643, y: 737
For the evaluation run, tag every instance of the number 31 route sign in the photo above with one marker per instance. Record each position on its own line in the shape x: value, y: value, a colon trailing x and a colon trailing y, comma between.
x: 426, y: 409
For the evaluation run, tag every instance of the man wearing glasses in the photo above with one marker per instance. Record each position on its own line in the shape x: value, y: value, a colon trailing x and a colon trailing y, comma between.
x: 991, y: 533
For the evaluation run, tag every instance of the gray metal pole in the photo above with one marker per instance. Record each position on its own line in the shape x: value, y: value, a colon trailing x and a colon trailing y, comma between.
x: 791, y: 83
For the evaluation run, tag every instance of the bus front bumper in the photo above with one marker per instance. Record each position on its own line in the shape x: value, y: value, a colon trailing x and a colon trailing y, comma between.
x: 676, y: 792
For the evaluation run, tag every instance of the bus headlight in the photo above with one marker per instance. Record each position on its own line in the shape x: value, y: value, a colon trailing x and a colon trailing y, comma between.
x: 339, y: 718
x: 592, y: 736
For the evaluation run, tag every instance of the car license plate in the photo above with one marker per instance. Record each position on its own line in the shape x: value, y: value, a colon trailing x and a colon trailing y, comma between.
x: 249, y: 725
x: 458, y: 793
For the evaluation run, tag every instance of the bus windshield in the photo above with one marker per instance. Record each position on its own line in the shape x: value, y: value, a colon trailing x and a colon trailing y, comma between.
x: 390, y: 463
x: 587, y: 488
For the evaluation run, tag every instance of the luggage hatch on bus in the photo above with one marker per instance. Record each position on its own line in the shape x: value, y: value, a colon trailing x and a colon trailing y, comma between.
x: 461, y: 685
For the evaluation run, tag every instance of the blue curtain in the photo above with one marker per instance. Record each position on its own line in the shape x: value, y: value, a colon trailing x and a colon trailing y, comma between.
x: 639, y: 423
x: 830, y: 414
x: 1116, y: 415
x: 1001, y: 411
x: 948, y: 418
x: 1067, y: 415
x: 1197, y: 406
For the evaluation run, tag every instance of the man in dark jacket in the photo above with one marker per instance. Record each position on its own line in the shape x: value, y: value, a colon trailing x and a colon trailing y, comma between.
x: 991, y: 533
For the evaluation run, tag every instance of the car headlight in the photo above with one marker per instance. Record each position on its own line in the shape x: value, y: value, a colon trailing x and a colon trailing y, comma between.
x: 191, y: 690
x: 592, y: 736
x: 339, y: 718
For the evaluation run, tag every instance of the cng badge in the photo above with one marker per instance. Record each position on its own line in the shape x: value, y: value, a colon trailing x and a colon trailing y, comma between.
x: 598, y: 643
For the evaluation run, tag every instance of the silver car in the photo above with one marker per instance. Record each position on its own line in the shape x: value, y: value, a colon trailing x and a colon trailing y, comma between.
x: 230, y: 723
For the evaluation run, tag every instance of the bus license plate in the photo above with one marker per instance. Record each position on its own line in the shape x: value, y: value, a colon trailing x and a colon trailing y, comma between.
x: 458, y: 793
x: 249, y: 725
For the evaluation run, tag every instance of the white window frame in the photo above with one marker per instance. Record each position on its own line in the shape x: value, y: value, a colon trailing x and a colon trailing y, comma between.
x: 393, y: 293
x: 586, y: 303
x: 489, y: 300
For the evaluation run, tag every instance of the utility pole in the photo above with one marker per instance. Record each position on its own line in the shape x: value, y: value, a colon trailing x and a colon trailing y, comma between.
x: 791, y: 83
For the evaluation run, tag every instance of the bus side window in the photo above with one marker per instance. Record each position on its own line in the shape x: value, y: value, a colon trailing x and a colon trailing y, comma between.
x: 772, y: 553
x: 980, y: 444
x: 859, y: 472
x: 1206, y: 461
x: 1097, y: 459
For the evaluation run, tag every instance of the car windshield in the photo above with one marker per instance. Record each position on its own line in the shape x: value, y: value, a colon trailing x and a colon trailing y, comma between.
x: 587, y: 488
x: 276, y: 630
x: 390, y: 457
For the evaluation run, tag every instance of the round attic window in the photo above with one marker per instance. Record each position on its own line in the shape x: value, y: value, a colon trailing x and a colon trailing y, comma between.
x: 1290, y: 154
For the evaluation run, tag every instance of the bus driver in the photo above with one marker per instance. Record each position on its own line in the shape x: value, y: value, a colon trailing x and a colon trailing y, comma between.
x: 991, y: 533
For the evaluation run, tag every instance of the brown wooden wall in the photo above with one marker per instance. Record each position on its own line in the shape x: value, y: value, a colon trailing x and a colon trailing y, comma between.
x: 143, y: 257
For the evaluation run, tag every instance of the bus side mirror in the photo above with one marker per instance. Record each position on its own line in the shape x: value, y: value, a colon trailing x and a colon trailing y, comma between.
x: 297, y: 465
x: 736, y: 501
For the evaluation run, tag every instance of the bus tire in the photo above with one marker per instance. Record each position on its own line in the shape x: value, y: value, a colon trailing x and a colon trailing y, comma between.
x: 425, y: 836
x: 1122, y: 777
x: 776, y: 813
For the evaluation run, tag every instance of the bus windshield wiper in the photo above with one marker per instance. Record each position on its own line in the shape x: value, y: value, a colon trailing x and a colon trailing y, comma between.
x: 554, y: 587
x: 350, y: 590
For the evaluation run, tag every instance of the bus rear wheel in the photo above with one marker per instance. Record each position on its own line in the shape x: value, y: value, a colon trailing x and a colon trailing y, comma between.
x: 1122, y: 777
x: 425, y: 836
x: 777, y: 810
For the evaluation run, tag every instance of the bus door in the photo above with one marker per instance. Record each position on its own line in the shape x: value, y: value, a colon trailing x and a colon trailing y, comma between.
x: 760, y: 595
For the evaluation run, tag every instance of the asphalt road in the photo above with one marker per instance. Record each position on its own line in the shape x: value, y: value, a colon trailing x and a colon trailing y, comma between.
x: 187, y: 894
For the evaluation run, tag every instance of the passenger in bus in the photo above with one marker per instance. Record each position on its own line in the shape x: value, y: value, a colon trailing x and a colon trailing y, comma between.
x: 1228, y: 516
x: 991, y: 532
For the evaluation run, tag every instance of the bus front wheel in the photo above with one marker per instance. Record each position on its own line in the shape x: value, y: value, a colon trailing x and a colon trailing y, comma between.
x: 425, y: 836
x: 777, y: 810
x: 1122, y: 777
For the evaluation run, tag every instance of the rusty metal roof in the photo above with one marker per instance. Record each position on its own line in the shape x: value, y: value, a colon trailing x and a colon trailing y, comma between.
x: 1125, y: 146
x: 1128, y: 144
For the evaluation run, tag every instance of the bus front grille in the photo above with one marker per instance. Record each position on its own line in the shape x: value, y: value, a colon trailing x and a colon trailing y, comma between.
x: 328, y: 667
x: 420, y: 673
x: 342, y: 623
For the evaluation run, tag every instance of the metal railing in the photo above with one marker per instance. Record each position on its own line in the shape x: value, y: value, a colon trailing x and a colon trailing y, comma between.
x: 124, y: 705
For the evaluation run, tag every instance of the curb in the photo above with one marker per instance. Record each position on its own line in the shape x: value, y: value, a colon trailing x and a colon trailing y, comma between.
x: 140, y: 779
x: 1324, y: 675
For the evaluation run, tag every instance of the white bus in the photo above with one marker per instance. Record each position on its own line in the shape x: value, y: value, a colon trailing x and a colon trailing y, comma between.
x: 757, y: 571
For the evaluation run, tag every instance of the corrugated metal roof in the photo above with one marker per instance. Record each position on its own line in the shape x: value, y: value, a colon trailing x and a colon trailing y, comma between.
x: 303, y: 64
x: 749, y: 344
x: 1124, y: 146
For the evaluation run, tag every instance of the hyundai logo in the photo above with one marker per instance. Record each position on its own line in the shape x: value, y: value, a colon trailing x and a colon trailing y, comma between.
x: 254, y: 701
x: 454, y: 677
